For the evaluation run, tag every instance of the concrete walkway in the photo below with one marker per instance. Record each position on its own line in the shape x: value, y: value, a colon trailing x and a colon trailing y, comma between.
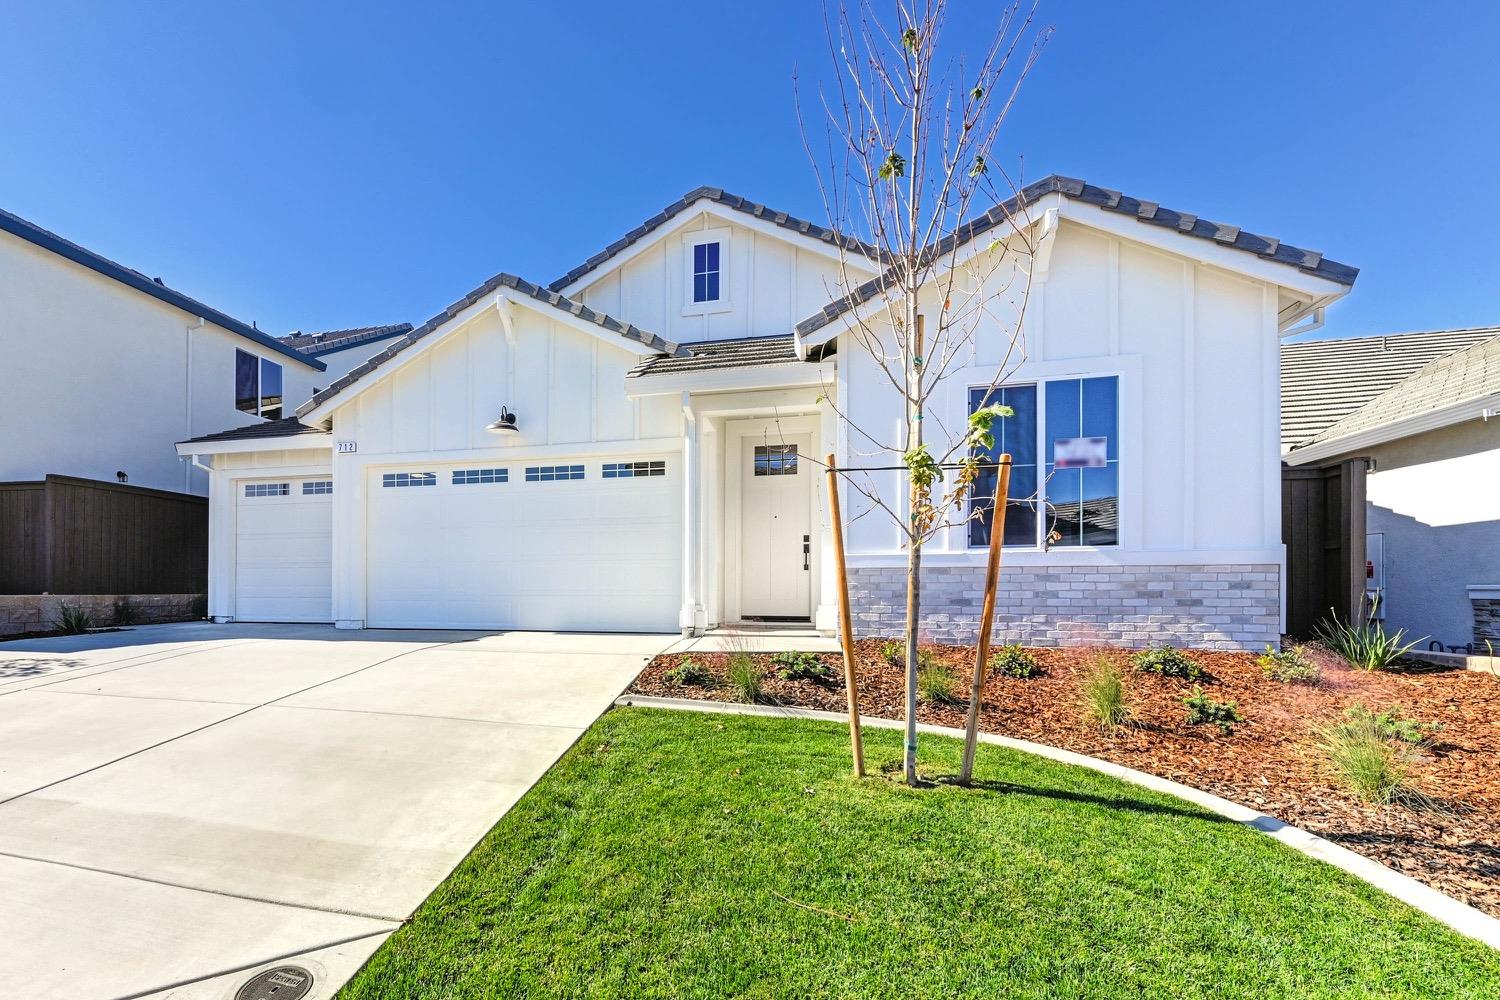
x: 181, y: 805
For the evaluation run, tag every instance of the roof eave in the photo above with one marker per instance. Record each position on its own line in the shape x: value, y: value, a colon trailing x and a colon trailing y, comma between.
x: 782, y: 375
x: 290, y: 442
x: 1419, y: 423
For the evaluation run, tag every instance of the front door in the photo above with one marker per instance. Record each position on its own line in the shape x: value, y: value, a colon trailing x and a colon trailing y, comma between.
x: 776, y: 527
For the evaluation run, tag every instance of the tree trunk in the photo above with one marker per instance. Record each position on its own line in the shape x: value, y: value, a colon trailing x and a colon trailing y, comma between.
x: 913, y: 611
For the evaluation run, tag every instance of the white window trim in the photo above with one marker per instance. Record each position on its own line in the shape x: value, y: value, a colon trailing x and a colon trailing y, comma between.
x: 696, y: 238
x: 260, y: 369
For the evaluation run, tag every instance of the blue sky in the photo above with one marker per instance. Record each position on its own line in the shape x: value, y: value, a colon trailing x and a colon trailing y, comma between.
x: 310, y: 166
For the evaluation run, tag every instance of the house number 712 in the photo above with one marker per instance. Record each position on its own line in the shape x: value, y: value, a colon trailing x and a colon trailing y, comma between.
x: 348, y: 447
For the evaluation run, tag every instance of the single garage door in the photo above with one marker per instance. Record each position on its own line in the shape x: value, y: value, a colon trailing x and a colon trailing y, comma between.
x: 562, y: 544
x: 283, y: 550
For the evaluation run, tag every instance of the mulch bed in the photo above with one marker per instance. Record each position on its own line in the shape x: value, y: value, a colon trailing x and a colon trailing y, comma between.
x: 1267, y: 762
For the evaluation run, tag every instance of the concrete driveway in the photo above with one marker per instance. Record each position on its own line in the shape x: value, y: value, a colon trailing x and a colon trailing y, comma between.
x: 183, y: 805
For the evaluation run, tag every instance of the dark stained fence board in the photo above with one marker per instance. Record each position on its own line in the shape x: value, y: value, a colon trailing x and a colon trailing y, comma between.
x: 1323, y: 528
x: 23, y: 554
x: 93, y: 537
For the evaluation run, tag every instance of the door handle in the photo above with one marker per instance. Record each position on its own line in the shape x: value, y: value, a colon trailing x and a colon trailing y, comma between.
x: 807, y: 552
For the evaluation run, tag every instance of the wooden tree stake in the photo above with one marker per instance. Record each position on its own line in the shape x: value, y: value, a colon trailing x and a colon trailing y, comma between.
x: 846, y: 623
x: 986, y: 621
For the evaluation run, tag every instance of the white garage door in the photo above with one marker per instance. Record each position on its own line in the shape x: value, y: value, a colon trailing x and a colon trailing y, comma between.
x: 562, y: 544
x: 283, y: 550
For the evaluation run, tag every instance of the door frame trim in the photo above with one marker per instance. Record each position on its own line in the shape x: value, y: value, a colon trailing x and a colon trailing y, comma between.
x: 735, y: 433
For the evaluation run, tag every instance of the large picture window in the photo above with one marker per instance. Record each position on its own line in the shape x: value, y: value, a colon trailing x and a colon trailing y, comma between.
x: 1069, y: 496
x: 257, y: 385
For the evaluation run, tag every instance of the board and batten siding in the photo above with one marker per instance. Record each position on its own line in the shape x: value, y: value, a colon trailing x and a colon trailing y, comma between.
x: 771, y: 284
x: 1195, y: 348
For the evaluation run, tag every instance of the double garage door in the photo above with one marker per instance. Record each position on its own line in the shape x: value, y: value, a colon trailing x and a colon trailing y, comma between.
x: 580, y: 544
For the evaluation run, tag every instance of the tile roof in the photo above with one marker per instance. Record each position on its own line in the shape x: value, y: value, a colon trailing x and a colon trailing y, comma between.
x: 1324, y: 381
x: 789, y: 222
x: 1146, y: 212
x: 286, y: 427
x: 716, y: 355
x: 1467, y: 375
x: 582, y: 312
x: 328, y: 341
x: 131, y: 278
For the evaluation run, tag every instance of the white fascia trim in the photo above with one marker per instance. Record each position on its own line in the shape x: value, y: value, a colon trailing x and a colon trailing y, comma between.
x: 296, y: 442
x: 1111, y: 556
x: 707, y: 206
x: 1484, y: 591
x: 1200, y: 250
x: 784, y: 376
x: 1447, y: 416
x: 582, y: 449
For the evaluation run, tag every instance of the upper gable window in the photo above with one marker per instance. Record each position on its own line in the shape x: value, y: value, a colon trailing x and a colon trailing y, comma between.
x: 705, y: 258
x: 257, y: 385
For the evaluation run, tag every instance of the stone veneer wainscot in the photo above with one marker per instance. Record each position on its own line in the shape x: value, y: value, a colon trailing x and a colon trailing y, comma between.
x: 1201, y: 607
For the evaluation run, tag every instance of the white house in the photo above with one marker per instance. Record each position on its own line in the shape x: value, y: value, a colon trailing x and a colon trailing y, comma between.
x: 1423, y: 410
x: 107, y: 368
x: 638, y: 445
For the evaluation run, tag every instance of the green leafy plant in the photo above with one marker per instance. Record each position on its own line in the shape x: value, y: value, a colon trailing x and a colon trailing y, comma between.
x: 893, y: 651
x: 1371, y: 762
x: 1289, y: 666
x: 1168, y: 662
x: 936, y: 682
x: 73, y: 619
x: 1014, y: 661
x: 688, y: 672
x: 1395, y: 726
x: 744, y: 677
x: 1365, y: 646
x: 1201, y: 708
x: 126, y: 612
x: 1104, y: 698
x: 795, y: 666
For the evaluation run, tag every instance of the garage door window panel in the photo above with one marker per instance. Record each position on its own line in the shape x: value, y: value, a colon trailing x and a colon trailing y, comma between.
x: 401, y: 480
x: 552, y: 473
x: 477, y: 477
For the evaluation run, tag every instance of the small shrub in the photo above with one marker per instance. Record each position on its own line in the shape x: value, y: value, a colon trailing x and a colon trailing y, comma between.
x: 936, y: 682
x: 1104, y: 699
x: 893, y: 652
x: 744, y: 677
x: 126, y: 613
x: 1370, y: 762
x: 73, y: 620
x: 1168, y: 662
x: 688, y: 672
x: 1364, y: 647
x: 1201, y: 708
x: 1014, y: 661
x: 1394, y: 726
x: 793, y: 666
x: 1289, y: 666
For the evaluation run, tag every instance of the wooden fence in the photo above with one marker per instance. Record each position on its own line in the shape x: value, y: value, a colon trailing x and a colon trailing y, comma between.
x: 1323, y: 528
x: 80, y: 536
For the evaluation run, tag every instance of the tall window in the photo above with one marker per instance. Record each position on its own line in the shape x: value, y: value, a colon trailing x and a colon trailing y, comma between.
x: 257, y: 385
x: 1075, y: 501
x: 705, y: 272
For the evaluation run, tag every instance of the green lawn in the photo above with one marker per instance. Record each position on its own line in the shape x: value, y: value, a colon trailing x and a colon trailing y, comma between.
x: 662, y: 856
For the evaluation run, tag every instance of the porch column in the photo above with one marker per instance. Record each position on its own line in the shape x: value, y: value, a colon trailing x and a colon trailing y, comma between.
x: 826, y: 618
x: 690, y: 619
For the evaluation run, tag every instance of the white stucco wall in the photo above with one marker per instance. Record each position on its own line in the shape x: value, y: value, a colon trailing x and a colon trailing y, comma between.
x: 1195, y: 350
x: 100, y: 378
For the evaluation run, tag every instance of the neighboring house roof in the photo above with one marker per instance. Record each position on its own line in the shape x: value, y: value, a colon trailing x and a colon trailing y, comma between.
x: 1147, y: 212
x: 1469, y: 374
x: 329, y: 341
x: 790, y: 222
x: 34, y: 234
x: 580, y: 311
x: 716, y: 355
x: 1324, y: 381
x: 286, y: 427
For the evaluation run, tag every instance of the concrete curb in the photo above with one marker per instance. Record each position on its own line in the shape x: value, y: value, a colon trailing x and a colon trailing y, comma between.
x: 1461, y: 917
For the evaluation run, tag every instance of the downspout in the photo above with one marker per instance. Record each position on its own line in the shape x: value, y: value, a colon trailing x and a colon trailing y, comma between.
x: 187, y: 395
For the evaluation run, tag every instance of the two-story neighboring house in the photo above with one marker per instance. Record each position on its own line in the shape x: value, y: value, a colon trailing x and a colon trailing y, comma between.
x: 106, y: 368
x: 638, y: 445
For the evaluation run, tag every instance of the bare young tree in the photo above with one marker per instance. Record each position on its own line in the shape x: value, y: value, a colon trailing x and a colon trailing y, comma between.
x: 905, y: 164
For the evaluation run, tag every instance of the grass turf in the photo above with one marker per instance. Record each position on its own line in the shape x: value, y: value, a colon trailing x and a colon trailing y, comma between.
x: 686, y: 855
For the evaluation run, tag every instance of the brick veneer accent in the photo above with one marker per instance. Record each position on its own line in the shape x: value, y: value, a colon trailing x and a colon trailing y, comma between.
x: 1203, y: 607
x: 1486, y: 622
x: 37, y: 612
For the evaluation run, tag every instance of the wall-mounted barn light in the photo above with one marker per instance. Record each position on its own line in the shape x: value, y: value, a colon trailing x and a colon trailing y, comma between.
x: 504, y: 424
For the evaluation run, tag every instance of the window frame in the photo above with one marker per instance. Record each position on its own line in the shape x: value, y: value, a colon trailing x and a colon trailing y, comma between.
x: 261, y: 366
x: 1040, y: 380
x: 691, y: 241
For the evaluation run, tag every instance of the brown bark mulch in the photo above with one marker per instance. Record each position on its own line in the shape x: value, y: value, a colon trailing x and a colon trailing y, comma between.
x: 1268, y: 762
